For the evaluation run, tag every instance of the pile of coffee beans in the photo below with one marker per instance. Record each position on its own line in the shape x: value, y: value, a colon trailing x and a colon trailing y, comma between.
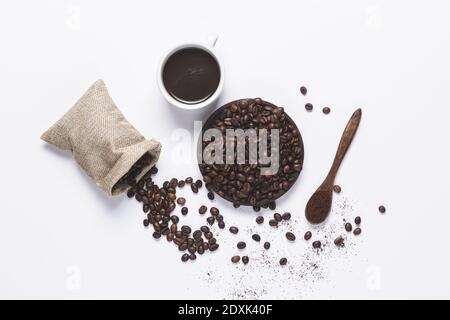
x: 159, y: 203
x: 243, y: 184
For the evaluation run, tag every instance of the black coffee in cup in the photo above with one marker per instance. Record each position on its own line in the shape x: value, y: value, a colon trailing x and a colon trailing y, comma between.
x: 191, y: 75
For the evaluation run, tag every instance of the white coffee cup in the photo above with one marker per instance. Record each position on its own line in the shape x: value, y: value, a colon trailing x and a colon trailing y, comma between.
x: 207, y: 46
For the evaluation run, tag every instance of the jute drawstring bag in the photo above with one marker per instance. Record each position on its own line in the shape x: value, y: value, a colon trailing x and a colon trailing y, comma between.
x: 101, y: 140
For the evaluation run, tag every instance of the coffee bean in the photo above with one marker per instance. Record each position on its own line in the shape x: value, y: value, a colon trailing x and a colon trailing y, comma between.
x: 348, y: 227
x: 170, y: 236
x: 337, y: 189
x: 199, y: 183
x: 186, y: 230
x: 156, y: 235
x: 266, y: 245
x: 174, y: 228
x: 357, y: 231
x: 214, y: 211
x: 256, y: 208
x: 277, y: 217
x: 211, y: 195
x: 197, y: 234
x: 308, y: 106
x: 184, y: 211
x: 204, y: 229
x: 212, y: 241
x: 339, y: 241
x: 256, y: 237
x: 214, y: 247
x: 211, y: 220
x: 181, y: 183
x: 283, y: 261
x: 185, y: 257
x: 272, y: 205
x: 358, y: 220
x: 326, y: 110
x: 235, y: 259
x: 202, y: 210
x: 241, y: 245
x: 192, y: 249
x: 201, y: 249
x: 154, y: 170
x: 221, y: 224
x: 382, y: 209
x: 234, y: 230
x: 171, y: 196
x: 303, y: 90
x: 194, y: 188
x: 317, y: 244
x: 181, y: 201
x: 131, y: 193
x: 290, y: 236
x: 174, y: 219
x: 236, y: 205
x: 192, y: 256
x: 259, y: 219
x: 209, y: 235
x: 286, y: 216
x: 273, y: 222
x: 245, y: 259
x: 146, y: 223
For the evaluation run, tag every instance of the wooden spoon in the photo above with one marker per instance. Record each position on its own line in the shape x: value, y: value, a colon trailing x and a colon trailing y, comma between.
x: 319, y: 205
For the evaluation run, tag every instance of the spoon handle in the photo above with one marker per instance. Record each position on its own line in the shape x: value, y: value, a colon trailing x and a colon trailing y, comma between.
x: 344, y: 144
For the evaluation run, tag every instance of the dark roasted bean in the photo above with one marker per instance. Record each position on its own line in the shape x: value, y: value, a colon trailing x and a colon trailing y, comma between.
x: 283, y: 261
x: 185, y: 257
x: 382, y: 209
x: 277, y: 217
x: 273, y: 222
x: 202, y: 209
x: 211, y: 195
x: 286, y: 216
x: 245, y: 259
x: 184, y: 211
x: 221, y: 224
x: 357, y: 231
x: 308, y: 235
x: 308, y: 106
x: 303, y: 90
x: 234, y: 230
x: 358, y: 220
x: 337, y: 189
x: 241, y: 245
x: 214, y: 211
x: 194, y: 188
x: 348, y: 227
x: 235, y: 259
x: 256, y: 237
x: 199, y: 183
x: 326, y: 110
x: 290, y: 236
x: 317, y: 244
x: 259, y: 219
x: 339, y: 241
x: 181, y: 201
x: 266, y: 245
x: 210, y: 220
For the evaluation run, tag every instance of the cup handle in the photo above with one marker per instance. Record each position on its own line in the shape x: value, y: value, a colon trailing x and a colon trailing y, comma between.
x: 212, y: 39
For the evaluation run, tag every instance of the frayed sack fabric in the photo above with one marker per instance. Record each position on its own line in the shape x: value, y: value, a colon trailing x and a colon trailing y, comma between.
x: 101, y: 140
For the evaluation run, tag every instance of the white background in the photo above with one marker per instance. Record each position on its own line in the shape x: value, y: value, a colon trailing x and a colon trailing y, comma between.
x: 60, y: 237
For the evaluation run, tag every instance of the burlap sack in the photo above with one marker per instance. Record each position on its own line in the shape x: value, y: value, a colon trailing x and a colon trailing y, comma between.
x: 101, y: 140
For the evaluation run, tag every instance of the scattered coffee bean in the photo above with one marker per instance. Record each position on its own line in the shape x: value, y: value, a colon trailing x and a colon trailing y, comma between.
x: 256, y: 208
x: 197, y: 234
x: 181, y: 183
x: 185, y: 257
x: 184, y: 211
x: 199, y: 183
x: 259, y: 219
x: 357, y: 231
x: 204, y: 229
x: 339, y: 241
x: 211, y: 195
x: 317, y: 244
x: 221, y: 224
x: 272, y: 205
x: 194, y: 188
x: 234, y: 230
x: 214, y: 211
x: 303, y: 90
x: 277, y: 217
x: 308, y: 235
x: 189, y: 180
x: 235, y: 259
x: 256, y: 237
x: 337, y: 189
x: 290, y: 236
x: 202, y: 209
x: 209, y: 235
x: 210, y: 220
x: 146, y: 223
x: 241, y: 245
x: 358, y: 221
x: 286, y: 216
x: 348, y: 227
x: 283, y: 261
x: 245, y: 259
x: 181, y: 201
x: 326, y: 110
x: 308, y: 106
x: 192, y: 256
x: 266, y: 245
x: 156, y: 235
x: 382, y: 209
x: 214, y: 247
x: 273, y: 222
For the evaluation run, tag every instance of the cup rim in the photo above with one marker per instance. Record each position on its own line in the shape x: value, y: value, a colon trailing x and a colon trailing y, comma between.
x: 166, y: 94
